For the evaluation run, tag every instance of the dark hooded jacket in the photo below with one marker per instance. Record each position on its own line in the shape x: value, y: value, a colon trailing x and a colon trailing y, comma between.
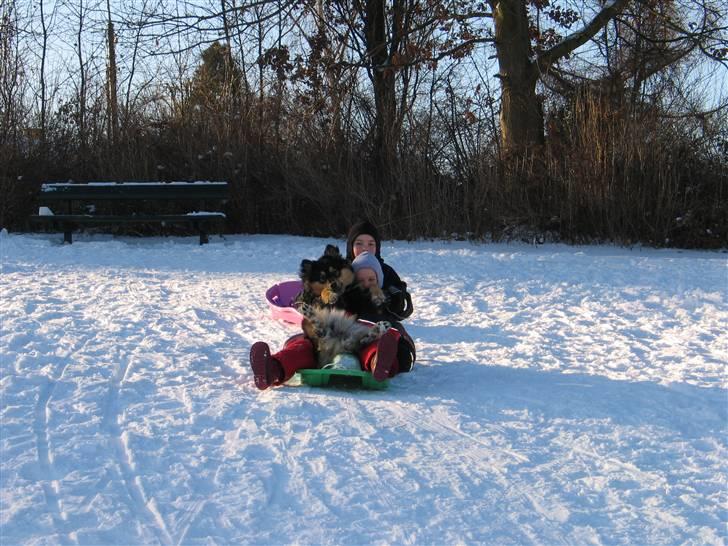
x: 399, y: 302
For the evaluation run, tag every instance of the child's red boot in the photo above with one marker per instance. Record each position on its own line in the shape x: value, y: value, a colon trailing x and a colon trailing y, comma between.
x: 266, y: 370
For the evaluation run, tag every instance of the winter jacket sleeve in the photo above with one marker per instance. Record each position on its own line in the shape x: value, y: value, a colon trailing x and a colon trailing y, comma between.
x: 399, y: 302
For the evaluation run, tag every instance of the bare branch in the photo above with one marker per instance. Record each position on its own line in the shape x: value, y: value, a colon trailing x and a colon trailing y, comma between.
x: 573, y: 41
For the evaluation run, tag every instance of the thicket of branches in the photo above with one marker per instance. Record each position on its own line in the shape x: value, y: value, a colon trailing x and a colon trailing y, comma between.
x: 411, y: 113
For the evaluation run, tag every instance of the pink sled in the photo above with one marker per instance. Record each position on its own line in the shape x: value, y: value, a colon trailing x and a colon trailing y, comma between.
x: 280, y: 300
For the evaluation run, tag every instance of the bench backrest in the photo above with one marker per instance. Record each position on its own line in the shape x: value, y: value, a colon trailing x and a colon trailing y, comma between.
x: 135, y: 190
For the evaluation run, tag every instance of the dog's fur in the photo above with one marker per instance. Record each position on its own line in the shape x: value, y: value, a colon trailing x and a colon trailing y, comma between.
x: 330, y: 281
x: 328, y: 277
x: 333, y: 332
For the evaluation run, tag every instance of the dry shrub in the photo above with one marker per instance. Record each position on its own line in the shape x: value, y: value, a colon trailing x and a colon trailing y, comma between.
x: 634, y: 176
x: 607, y: 173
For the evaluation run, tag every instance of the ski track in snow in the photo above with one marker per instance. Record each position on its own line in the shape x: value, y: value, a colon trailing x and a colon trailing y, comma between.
x: 563, y: 395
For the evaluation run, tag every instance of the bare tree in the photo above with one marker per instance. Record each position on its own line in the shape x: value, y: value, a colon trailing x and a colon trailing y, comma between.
x: 111, y: 80
x: 11, y: 75
x: 83, y: 78
x: 42, y: 74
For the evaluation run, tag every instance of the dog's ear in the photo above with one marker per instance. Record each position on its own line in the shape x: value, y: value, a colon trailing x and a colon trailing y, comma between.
x: 305, y: 270
x: 332, y: 251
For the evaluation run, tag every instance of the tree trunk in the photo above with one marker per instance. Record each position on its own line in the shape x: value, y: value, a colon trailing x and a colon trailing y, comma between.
x: 383, y: 80
x: 521, y: 116
x: 111, y: 81
x: 82, y: 133
x: 43, y: 100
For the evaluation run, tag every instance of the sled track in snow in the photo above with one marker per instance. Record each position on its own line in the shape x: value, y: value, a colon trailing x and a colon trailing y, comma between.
x: 188, y: 520
x: 352, y: 409
x: 514, y: 493
x: 144, y: 509
x: 50, y: 485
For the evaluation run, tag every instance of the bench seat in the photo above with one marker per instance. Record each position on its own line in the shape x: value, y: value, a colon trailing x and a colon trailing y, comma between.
x: 132, y: 219
x: 142, y: 193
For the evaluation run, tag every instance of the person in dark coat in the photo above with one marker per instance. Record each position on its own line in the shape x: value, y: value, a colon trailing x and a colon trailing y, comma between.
x: 364, y: 237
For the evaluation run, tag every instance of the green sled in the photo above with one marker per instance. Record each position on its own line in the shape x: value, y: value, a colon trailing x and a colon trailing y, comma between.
x: 352, y: 379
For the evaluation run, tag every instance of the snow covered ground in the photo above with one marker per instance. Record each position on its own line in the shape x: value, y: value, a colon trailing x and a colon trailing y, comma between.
x: 564, y: 395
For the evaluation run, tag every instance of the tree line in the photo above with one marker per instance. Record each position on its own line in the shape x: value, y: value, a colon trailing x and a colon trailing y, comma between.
x: 573, y: 120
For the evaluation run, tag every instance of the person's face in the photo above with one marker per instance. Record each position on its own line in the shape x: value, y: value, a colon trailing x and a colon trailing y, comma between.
x: 367, y: 277
x: 363, y: 243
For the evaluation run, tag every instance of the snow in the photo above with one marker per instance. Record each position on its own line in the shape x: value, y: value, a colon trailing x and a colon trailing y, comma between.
x: 206, y: 213
x: 49, y: 187
x: 563, y: 395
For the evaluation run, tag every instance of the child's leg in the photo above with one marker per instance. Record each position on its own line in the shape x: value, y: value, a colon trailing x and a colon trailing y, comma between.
x: 380, y: 357
x: 269, y: 370
x: 297, y: 354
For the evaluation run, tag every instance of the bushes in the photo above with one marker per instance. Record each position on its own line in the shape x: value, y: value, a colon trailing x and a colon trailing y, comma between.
x: 606, y: 174
x: 636, y: 176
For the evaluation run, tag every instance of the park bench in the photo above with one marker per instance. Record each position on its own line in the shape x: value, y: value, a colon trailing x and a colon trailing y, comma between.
x: 109, y: 203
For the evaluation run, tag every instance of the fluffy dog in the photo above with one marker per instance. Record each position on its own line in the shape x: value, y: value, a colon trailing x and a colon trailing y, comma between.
x: 334, y: 332
x: 328, y: 277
